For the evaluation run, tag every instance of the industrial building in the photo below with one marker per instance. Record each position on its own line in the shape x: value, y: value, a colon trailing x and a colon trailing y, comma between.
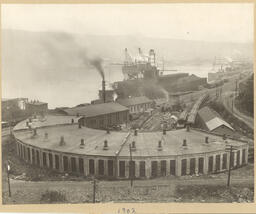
x: 67, y: 148
x: 136, y: 104
x: 211, y: 121
x: 100, y: 116
x: 36, y: 107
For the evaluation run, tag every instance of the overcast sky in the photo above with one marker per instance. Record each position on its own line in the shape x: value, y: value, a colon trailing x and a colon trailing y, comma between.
x: 208, y: 22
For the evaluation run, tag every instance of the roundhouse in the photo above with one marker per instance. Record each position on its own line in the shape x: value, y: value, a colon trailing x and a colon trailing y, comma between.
x: 92, y: 152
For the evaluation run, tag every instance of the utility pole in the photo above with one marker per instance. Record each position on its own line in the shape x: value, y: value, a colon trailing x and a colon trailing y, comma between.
x: 229, y: 168
x: 231, y: 158
x: 130, y: 165
x: 236, y: 88
x: 94, y: 190
x: 8, y: 179
x: 232, y: 106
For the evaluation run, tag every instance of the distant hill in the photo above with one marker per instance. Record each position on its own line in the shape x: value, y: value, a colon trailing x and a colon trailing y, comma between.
x: 55, y: 60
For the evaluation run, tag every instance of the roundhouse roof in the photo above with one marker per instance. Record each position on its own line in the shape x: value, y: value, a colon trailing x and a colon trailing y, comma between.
x: 118, y: 142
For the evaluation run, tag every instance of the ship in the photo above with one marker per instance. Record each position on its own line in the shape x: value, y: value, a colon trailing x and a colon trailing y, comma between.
x: 144, y: 77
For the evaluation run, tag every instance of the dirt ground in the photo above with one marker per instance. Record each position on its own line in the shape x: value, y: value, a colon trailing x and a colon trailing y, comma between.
x: 29, y: 185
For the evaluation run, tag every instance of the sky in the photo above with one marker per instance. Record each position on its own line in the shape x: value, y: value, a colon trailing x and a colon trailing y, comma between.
x: 221, y: 22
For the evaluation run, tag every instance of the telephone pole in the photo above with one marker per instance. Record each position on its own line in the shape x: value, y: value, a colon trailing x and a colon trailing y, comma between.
x: 8, y: 179
x: 230, y: 149
x: 130, y: 165
x: 94, y: 190
x: 229, y: 168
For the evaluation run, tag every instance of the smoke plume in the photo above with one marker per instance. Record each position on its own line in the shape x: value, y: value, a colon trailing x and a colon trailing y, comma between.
x: 97, y: 63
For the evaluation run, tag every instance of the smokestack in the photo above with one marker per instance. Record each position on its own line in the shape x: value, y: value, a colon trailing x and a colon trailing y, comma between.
x: 103, y: 90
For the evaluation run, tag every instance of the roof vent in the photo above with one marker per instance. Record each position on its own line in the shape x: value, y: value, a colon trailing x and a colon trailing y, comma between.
x: 160, y: 148
x: 164, y: 132
x: 105, y: 147
x: 45, y: 135
x: 188, y: 127
x: 34, y: 132
x: 82, y: 143
x: 62, y: 142
x: 133, y: 147
x: 207, y: 140
x: 135, y: 132
x: 184, y: 145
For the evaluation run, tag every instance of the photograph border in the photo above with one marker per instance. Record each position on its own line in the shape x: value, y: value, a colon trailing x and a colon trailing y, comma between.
x: 147, y: 208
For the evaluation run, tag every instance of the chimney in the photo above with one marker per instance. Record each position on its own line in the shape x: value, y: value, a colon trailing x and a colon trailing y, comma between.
x: 207, y: 140
x: 159, y: 145
x: 27, y: 123
x: 72, y: 120
x: 184, y: 143
x: 108, y: 131
x: 103, y: 91
x: 105, y: 147
x: 164, y: 132
x: 82, y: 144
x: 135, y: 132
x: 188, y: 127
x: 79, y: 125
x: 62, y: 142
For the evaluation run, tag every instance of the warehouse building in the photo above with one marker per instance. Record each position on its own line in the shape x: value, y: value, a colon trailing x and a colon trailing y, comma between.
x: 211, y: 121
x: 100, y: 116
x: 136, y: 104
x: 98, y: 153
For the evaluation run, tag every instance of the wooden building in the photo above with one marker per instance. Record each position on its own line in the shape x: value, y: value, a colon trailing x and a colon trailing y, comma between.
x: 100, y: 116
x: 211, y: 121
x: 136, y: 104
